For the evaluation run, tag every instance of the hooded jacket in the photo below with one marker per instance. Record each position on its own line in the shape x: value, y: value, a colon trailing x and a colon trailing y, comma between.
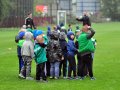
x: 40, y: 52
x: 71, y: 45
x: 54, y: 49
x: 28, y: 47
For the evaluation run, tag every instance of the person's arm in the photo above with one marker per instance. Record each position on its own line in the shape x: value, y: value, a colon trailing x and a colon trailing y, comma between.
x: 33, y: 24
x: 90, y: 35
x: 32, y: 50
x: 72, y: 46
x: 25, y: 21
x: 81, y: 19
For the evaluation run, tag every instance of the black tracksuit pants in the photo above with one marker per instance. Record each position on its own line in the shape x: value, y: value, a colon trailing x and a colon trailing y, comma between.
x: 87, y: 61
x: 40, y: 71
x: 64, y: 64
x: 72, y: 65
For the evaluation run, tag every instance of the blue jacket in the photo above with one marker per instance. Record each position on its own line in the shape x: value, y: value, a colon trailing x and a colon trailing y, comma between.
x: 71, y: 45
x: 48, y: 31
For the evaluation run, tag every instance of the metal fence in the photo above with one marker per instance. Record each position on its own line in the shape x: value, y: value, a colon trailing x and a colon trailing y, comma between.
x: 17, y: 13
x: 20, y: 9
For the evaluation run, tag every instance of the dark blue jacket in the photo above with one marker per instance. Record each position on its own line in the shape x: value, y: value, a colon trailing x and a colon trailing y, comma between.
x: 71, y: 45
x: 48, y: 31
x: 63, y: 45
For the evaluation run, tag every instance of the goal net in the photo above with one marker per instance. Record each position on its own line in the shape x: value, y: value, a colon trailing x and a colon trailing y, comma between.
x: 61, y: 17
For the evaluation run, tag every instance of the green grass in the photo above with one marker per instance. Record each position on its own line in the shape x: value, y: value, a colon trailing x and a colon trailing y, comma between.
x: 106, y: 63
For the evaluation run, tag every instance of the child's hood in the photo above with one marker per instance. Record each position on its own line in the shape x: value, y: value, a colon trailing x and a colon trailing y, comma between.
x: 28, y: 36
x: 69, y: 34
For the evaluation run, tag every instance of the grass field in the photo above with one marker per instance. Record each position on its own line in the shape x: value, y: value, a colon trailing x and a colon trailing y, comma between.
x: 106, y: 63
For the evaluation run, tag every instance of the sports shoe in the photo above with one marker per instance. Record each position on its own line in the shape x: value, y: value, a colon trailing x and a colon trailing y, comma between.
x: 81, y: 78
x: 56, y: 78
x: 45, y: 81
x: 21, y: 76
x: 92, y: 78
x: 51, y: 77
x: 75, y: 78
x: 64, y: 77
x: 70, y: 78
x: 29, y: 78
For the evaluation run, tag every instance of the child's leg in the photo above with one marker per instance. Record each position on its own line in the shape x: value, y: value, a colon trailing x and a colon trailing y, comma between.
x: 82, y: 66
x: 57, y: 69
x: 48, y: 68
x: 28, y: 67
x: 89, y: 64
x: 52, y: 69
x: 38, y: 72
x: 74, y: 66
x: 79, y: 64
x: 21, y: 63
x: 42, y: 66
x: 65, y: 65
x: 70, y: 66
x: 60, y: 67
x: 23, y: 69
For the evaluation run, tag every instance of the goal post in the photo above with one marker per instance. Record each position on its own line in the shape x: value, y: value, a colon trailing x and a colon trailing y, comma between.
x: 61, y: 17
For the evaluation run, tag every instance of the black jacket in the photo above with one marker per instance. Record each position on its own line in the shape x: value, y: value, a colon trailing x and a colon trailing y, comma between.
x: 85, y: 19
x: 29, y: 21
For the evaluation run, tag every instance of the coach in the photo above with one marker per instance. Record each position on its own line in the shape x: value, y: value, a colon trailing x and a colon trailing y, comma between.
x: 85, y: 19
x: 29, y: 21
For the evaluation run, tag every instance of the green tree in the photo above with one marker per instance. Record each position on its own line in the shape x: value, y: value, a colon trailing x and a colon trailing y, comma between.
x: 5, y: 6
x: 111, y: 8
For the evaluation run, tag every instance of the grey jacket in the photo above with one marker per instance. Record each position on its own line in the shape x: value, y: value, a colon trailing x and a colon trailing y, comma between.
x: 28, y: 46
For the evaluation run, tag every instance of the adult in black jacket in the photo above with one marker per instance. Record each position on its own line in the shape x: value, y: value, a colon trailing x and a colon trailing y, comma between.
x: 85, y: 19
x: 29, y: 21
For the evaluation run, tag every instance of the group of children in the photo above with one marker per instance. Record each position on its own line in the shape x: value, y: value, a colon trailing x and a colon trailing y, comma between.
x: 54, y: 54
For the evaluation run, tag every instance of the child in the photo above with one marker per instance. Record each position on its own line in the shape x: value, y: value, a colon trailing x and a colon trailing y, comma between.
x: 86, y: 47
x: 19, y: 39
x: 40, y: 55
x: 77, y: 32
x: 71, y: 55
x: 27, y: 52
x: 55, y: 55
x: 63, y: 45
x: 70, y: 28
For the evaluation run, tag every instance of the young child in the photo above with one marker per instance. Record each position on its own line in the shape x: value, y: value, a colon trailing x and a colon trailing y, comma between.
x: 20, y: 40
x: 27, y: 52
x: 63, y: 45
x: 55, y: 55
x: 70, y: 27
x: 40, y: 55
x: 71, y: 55
x: 77, y: 32
x: 86, y: 47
